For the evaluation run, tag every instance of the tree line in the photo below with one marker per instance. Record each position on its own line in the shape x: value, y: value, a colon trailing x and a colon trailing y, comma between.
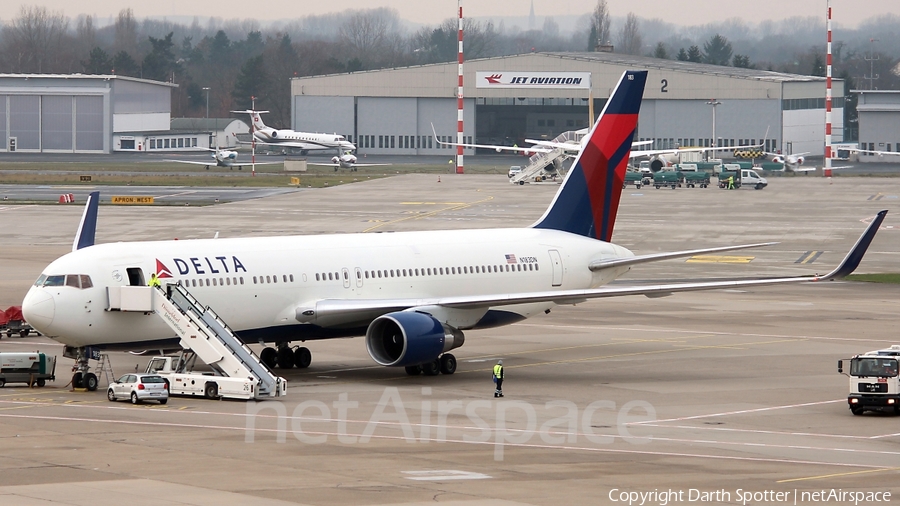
x: 227, y: 62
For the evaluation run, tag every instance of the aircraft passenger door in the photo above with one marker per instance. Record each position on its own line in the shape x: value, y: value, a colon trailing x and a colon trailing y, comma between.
x: 346, y: 275
x: 359, y: 277
x: 556, y: 264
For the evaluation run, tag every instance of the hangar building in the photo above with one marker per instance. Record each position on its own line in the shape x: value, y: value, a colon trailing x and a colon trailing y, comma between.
x: 391, y: 111
x: 879, y: 115
x: 52, y: 113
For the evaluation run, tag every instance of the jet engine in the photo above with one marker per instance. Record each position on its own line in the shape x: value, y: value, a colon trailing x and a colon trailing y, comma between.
x: 658, y: 162
x: 406, y: 338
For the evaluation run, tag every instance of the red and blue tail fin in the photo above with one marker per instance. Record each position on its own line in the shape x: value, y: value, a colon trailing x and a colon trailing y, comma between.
x: 587, y: 202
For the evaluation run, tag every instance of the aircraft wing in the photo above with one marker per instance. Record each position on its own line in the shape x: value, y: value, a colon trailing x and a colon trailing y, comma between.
x: 342, y: 309
x: 211, y: 162
x: 872, y: 152
x: 352, y: 165
x: 489, y: 146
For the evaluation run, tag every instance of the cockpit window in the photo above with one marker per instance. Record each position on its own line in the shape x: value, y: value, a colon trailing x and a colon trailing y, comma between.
x: 80, y: 281
x: 55, y: 281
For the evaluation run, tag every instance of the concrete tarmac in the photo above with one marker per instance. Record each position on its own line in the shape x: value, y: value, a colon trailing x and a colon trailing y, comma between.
x: 700, y: 397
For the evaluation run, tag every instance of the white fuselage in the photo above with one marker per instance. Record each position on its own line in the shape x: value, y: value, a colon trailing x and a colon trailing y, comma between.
x: 302, y: 140
x: 257, y: 285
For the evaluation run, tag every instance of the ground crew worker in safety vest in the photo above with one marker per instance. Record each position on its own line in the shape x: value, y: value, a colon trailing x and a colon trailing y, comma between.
x: 498, y: 379
x: 731, y: 182
x: 154, y: 281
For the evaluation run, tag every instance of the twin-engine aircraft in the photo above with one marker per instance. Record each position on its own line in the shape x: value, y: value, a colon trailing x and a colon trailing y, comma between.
x: 411, y: 294
x: 291, y: 139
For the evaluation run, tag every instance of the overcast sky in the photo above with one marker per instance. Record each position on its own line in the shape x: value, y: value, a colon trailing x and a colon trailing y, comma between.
x: 682, y: 12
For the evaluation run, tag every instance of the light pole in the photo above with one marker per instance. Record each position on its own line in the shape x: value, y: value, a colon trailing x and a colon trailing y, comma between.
x: 713, y: 102
x: 207, y: 102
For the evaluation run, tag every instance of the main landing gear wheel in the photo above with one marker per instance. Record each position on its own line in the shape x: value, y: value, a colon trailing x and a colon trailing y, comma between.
x: 302, y: 358
x: 269, y: 357
x: 285, y: 358
x: 77, y: 380
x: 432, y: 368
x: 91, y: 382
x: 413, y: 370
x: 448, y: 363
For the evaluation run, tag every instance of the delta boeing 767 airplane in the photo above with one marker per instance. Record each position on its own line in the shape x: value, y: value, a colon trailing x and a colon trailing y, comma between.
x: 411, y: 294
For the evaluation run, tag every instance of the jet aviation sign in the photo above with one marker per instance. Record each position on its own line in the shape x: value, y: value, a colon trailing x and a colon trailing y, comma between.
x: 545, y: 80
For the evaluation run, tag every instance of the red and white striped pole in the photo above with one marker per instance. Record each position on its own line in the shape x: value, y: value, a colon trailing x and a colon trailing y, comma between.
x: 459, y: 96
x: 252, y: 139
x: 828, y: 95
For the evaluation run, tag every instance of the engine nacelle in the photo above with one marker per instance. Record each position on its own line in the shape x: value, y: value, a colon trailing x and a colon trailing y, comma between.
x: 407, y: 338
x: 274, y: 133
x: 658, y: 162
x: 778, y: 159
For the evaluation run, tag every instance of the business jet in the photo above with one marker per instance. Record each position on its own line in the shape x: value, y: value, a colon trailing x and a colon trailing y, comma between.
x: 303, y: 141
x: 346, y: 161
x: 221, y: 158
x: 791, y: 163
x: 411, y: 294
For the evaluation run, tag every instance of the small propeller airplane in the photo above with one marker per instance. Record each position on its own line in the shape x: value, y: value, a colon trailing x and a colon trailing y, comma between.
x: 346, y: 161
x: 221, y: 158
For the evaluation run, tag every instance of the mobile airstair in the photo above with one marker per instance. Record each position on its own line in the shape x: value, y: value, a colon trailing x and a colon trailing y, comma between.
x: 202, y: 331
x: 542, y: 166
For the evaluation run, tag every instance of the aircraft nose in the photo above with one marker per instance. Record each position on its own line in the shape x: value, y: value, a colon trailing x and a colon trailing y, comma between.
x: 38, y: 308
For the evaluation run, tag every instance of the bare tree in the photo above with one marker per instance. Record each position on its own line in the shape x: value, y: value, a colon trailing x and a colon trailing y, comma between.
x: 599, y: 26
x: 630, y: 36
x: 126, y: 32
x: 37, y: 40
x: 368, y: 34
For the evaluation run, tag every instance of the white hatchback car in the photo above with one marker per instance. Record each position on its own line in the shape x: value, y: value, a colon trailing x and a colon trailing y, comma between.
x: 139, y: 388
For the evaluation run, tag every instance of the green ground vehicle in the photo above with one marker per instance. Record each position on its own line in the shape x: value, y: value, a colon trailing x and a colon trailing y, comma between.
x: 635, y: 178
x: 695, y: 179
x: 667, y: 178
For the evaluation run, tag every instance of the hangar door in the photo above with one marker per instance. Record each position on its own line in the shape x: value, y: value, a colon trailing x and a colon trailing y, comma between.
x: 25, y: 121
x: 56, y: 123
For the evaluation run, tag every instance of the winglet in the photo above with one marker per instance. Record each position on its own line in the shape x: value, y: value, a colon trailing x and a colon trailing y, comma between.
x: 84, y: 237
x: 855, y: 256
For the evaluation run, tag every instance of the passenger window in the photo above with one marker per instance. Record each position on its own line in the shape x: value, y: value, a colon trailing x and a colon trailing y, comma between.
x: 346, y: 276
x: 284, y: 278
x: 214, y: 281
x: 242, y: 279
x: 292, y: 278
x: 537, y: 267
x: 207, y: 281
x: 274, y: 278
x: 228, y: 281
x: 329, y: 277
x: 72, y: 280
